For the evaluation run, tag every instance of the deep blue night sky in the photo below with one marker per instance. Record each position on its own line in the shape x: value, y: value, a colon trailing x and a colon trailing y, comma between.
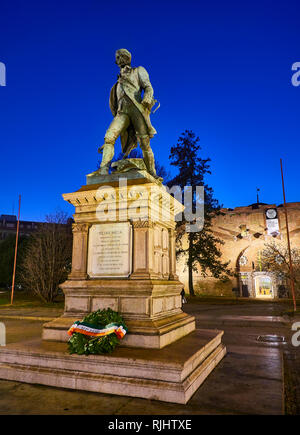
x: 221, y: 69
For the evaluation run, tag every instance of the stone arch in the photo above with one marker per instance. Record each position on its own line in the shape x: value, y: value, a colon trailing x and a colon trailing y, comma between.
x: 237, y: 264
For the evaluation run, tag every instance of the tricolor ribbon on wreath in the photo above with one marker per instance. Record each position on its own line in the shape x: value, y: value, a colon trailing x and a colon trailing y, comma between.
x: 87, y: 329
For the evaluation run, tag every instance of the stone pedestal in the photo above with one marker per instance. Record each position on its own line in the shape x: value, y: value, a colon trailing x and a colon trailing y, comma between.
x: 124, y: 258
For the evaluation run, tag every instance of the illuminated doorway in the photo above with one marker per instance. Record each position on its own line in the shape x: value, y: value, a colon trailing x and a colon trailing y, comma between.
x: 264, y: 287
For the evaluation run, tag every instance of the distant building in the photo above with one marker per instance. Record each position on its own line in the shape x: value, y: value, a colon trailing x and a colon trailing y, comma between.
x: 8, y: 226
x: 245, y: 231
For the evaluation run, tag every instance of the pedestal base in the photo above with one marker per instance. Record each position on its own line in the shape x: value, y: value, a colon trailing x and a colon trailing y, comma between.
x: 172, y: 374
x: 151, y: 334
x: 151, y: 309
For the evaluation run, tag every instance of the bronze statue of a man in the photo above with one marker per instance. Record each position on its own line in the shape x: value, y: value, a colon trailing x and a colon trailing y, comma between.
x: 131, y: 101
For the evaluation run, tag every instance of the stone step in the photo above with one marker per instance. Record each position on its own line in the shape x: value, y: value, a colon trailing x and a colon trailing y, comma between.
x: 171, y: 374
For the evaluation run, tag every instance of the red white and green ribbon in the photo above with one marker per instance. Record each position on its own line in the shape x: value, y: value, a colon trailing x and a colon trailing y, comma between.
x: 90, y: 330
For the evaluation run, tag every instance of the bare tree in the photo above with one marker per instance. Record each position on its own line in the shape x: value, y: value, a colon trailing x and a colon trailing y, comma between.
x: 47, y: 260
x: 275, y: 258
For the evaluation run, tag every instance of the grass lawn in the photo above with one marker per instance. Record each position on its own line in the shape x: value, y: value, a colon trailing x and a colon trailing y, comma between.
x: 24, y: 300
x: 291, y: 313
x: 225, y: 300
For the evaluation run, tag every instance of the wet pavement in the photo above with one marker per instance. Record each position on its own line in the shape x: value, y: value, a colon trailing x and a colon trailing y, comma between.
x: 249, y: 380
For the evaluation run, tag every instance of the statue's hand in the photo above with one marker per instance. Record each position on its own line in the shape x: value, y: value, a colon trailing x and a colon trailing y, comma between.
x: 147, y: 105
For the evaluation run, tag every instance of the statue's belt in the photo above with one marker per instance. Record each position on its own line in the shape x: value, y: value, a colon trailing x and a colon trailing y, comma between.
x: 87, y: 329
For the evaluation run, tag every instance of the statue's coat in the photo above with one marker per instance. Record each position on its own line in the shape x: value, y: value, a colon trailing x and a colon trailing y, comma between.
x: 132, y: 82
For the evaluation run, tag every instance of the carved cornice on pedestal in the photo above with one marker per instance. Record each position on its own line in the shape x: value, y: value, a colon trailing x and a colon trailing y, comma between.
x: 142, y: 223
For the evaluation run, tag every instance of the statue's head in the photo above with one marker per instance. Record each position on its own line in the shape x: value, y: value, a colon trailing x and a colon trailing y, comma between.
x: 123, y: 57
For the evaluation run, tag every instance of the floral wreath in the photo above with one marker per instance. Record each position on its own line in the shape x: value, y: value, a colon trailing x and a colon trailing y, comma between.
x: 99, y: 332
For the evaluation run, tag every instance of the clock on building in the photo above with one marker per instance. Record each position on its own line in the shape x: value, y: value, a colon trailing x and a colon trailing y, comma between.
x: 271, y: 213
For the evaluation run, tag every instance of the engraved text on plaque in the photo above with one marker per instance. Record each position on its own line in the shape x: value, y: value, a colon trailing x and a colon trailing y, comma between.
x: 110, y: 250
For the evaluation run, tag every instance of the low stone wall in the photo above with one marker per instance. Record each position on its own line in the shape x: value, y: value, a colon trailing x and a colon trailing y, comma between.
x: 215, y: 287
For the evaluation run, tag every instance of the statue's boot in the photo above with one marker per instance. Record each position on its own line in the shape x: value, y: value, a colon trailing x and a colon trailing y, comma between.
x: 108, y: 151
x: 148, y: 155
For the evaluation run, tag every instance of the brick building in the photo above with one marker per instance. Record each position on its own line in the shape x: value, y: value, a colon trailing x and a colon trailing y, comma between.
x: 245, y: 231
x: 8, y: 226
